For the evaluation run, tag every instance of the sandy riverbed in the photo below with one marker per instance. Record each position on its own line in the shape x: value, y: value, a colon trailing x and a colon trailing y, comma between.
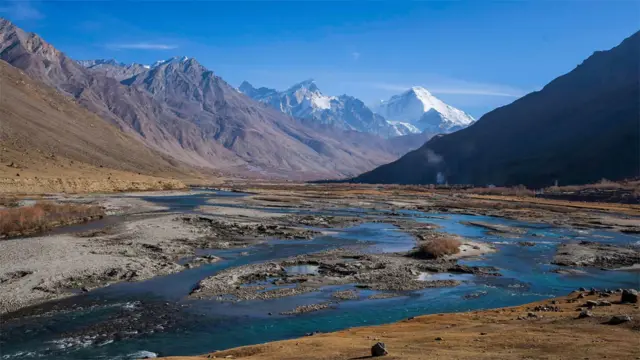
x: 38, y: 269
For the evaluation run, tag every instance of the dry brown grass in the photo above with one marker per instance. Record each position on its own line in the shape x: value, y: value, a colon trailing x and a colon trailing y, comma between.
x: 43, y: 215
x: 604, y: 184
x: 519, y: 190
x: 439, y: 247
x: 478, y: 335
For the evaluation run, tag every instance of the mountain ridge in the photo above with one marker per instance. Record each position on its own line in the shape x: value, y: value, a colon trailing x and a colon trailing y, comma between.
x: 306, y: 102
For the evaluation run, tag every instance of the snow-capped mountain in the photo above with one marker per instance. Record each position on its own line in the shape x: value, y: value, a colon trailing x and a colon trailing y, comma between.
x: 306, y: 102
x: 402, y: 128
x: 418, y: 109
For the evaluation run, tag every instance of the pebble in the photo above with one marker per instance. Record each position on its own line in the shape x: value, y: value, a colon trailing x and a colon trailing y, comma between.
x: 619, y: 319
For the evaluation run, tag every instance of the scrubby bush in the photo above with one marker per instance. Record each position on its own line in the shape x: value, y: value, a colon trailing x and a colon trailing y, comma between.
x: 43, y: 215
x: 439, y: 247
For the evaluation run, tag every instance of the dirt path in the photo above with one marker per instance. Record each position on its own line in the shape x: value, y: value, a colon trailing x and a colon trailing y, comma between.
x: 491, y: 334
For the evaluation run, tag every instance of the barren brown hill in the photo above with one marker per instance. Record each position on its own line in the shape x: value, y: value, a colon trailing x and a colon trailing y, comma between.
x: 129, y: 108
x: 46, y: 135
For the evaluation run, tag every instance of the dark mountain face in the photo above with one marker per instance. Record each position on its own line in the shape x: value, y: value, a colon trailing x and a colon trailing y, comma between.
x: 581, y: 127
x: 183, y: 110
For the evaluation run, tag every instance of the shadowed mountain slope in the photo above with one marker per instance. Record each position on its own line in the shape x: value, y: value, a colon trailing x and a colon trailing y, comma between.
x: 581, y: 127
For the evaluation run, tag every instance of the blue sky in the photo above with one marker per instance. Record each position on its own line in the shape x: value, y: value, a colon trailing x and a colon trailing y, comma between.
x: 475, y: 55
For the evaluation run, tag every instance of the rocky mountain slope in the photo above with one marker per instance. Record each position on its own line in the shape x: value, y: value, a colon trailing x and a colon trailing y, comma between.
x: 307, y: 103
x: 183, y: 110
x: 114, y: 69
x: 263, y: 137
x: 44, y: 135
x: 417, y: 110
x: 581, y: 127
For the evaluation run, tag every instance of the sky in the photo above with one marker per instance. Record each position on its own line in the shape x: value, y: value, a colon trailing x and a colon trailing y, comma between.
x: 474, y: 55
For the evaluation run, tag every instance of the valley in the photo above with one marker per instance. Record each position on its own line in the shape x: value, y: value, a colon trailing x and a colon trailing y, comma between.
x: 427, y: 197
x: 210, y: 269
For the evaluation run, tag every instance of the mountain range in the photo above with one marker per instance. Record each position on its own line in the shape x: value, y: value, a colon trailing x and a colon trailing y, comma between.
x: 305, y: 102
x: 581, y: 127
x: 412, y: 112
x: 183, y: 111
x: 114, y: 69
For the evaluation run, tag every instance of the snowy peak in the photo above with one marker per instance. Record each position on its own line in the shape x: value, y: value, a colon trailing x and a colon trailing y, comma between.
x: 307, y: 103
x: 175, y: 59
x: 304, y: 98
x: 309, y: 85
x: 418, y: 107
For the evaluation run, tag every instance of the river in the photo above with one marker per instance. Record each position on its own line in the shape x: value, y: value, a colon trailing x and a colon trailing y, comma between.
x: 130, y: 320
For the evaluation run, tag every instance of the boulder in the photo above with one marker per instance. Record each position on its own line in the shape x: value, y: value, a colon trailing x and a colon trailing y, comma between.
x: 591, y: 303
x: 629, y: 296
x: 585, y: 314
x: 619, y: 319
x: 378, y: 350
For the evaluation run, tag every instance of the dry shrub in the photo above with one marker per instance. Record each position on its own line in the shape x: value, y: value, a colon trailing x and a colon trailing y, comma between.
x: 439, y: 247
x: 8, y: 202
x: 519, y: 190
x: 43, y: 215
x: 604, y: 184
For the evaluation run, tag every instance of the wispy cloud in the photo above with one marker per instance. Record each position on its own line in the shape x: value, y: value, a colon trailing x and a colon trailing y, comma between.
x: 457, y: 87
x: 355, y: 55
x: 21, y: 10
x: 142, y: 46
x: 388, y: 86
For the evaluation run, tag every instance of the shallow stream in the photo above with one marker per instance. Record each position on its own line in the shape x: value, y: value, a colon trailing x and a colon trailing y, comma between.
x: 155, y: 315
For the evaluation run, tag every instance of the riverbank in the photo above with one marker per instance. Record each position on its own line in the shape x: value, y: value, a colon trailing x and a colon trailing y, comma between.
x: 544, y: 329
x: 182, y: 265
x: 150, y: 239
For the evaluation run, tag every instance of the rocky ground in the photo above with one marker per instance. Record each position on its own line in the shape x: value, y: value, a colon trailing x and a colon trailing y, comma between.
x: 388, y: 273
x: 584, y: 325
x: 146, y: 241
x: 150, y: 239
x: 38, y: 269
x: 605, y: 256
x: 610, y: 216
